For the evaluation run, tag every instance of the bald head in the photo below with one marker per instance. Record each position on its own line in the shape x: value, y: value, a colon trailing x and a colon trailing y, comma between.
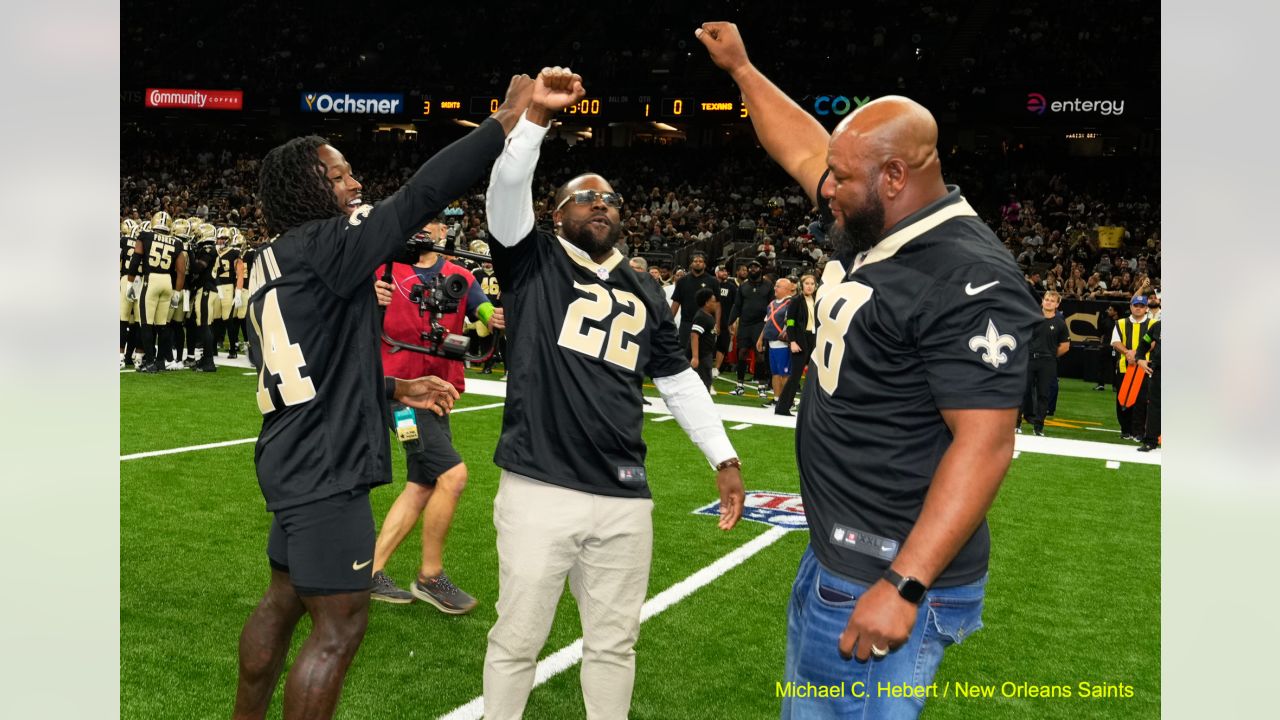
x: 889, y: 128
x: 886, y: 150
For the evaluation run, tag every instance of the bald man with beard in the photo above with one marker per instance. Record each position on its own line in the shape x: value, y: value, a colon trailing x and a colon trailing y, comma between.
x: 903, y: 436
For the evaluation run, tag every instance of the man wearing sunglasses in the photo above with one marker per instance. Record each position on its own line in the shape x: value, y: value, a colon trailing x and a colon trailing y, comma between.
x: 573, y: 499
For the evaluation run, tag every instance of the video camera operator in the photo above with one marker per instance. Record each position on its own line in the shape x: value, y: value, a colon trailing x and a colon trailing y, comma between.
x: 427, y: 304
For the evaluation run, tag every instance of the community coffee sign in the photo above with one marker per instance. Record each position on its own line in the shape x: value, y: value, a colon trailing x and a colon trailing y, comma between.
x: 195, y: 99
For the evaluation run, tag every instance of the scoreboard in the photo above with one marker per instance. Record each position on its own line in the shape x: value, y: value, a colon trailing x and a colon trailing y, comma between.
x: 607, y: 108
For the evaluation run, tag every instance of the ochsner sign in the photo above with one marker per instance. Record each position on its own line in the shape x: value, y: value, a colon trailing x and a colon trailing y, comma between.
x: 353, y: 103
x: 195, y: 99
x: 1039, y: 104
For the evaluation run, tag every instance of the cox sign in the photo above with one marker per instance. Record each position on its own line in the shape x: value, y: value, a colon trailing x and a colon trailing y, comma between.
x: 838, y: 104
x: 353, y: 103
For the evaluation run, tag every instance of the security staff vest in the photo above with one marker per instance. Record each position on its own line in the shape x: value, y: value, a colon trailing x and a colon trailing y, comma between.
x: 1130, y: 334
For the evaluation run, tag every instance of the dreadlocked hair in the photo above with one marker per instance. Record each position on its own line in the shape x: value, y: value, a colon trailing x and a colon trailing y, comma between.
x: 293, y: 187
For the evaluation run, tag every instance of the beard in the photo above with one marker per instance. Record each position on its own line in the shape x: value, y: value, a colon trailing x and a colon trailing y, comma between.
x: 588, y: 237
x: 861, y: 229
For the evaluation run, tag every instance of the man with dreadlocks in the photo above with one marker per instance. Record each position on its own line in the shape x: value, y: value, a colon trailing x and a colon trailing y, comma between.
x: 313, y: 338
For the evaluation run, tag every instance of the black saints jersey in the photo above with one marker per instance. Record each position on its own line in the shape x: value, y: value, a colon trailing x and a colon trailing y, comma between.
x: 937, y: 316
x: 250, y: 254
x: 203, y: 258
x: 159, y: 253
x: 313, y: 332
x: 581, y: 337
x: 126, y: 255
x: 488, y: 281
x: 224, y: 269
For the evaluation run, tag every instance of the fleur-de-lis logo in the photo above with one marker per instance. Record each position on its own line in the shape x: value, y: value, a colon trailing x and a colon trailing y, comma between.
x: 991, y: 345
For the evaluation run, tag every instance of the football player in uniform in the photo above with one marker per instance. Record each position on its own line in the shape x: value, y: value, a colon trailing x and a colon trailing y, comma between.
x: 436, y: 473
x: 573, y: 499
x: 206, y: 305
x: 160, y: 263
x: 313, y: 338
x: 229, y: 273
x: 240, y: 308
x: 903, y: 436
x: 129, y: 230
x: 492, y: 289
x: 177, y: 320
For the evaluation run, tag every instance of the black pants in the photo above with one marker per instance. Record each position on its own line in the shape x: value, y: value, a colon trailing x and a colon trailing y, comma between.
x: 1042, y: 370
x: 747, y: 337
x: 1151, y: 436
x: 1133, y: 420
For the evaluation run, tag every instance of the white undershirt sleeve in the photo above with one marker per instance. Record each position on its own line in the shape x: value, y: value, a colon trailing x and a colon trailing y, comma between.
x: 687, y: 399
x: 509, y: 199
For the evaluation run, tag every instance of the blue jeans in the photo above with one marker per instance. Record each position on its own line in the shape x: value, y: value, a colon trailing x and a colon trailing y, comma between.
x: 818, y: 683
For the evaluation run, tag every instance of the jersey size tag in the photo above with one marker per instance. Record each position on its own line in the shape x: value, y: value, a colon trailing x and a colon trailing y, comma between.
x: 633, y: 475
x: 406, y: 424
x: 863, y: 542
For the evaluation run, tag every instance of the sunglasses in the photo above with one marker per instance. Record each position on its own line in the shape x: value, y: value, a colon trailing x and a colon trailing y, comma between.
x: 588, y: 197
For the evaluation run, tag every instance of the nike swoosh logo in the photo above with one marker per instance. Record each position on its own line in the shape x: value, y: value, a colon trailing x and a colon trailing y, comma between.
x: 360, y: 566
x: 969, y: 289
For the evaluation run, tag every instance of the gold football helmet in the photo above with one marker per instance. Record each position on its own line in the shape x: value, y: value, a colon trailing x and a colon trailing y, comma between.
x: 129, y: 228
x: 182, y: 228
x: 207, y: 231
x: 161, y: 222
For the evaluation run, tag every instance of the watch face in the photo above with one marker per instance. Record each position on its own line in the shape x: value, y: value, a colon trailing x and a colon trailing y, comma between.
x: 912, y: 590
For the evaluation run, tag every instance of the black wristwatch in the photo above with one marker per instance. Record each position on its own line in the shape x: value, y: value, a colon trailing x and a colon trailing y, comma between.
x: 911, y: 589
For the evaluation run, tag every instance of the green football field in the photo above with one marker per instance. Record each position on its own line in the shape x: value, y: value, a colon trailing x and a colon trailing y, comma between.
x: 1074, y: 593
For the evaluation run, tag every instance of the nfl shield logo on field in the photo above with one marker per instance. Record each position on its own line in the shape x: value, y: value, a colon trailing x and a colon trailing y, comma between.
x: 779, y: 509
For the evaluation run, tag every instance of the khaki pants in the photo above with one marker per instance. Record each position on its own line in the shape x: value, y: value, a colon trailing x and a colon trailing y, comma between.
x: 157, y: 291
x: 603, y: 544
x: 226, y: 298
x: 128, y: 308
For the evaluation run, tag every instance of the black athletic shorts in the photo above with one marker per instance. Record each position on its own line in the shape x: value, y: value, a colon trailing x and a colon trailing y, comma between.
x: 326, y: 546
x: 432, y: 454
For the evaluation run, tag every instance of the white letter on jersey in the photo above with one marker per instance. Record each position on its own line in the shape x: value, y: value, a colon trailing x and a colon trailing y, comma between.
x: 835, y: 308
x: 991, y: 343
x: 625, y: 327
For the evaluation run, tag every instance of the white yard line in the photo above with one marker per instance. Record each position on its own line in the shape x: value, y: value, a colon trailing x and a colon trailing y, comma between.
x: 740, y: 426
x: 568, y: 656
x: 242, y: 441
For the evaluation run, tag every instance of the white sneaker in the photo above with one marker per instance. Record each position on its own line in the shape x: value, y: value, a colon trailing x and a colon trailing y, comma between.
x: 710, y: 388
x: 173, y: 366
x: 715, y: 373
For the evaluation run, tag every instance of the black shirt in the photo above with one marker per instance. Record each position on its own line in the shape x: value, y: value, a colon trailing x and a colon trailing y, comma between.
x: 580, y: 339
x: 704, y: 326
x: 313, y: 332
x: 225, y: 267
x: 686, y: 292
x: 1047, y: 335
x: 750, y: 304
x: 126, y: 255
x: 728, y: 293
x: 488, y: 282
x: 202, y: 261
x: 938, y: 317
x: 160, y: 252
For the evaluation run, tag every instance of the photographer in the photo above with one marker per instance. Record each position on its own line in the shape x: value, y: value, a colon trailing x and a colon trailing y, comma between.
x: 425, y: 304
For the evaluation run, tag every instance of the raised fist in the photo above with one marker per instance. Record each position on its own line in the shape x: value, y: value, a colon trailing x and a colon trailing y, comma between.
x: 724, y: 44
x: 557, y: 88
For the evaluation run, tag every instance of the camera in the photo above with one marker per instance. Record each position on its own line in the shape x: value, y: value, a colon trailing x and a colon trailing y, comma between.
x: 441, y: 296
